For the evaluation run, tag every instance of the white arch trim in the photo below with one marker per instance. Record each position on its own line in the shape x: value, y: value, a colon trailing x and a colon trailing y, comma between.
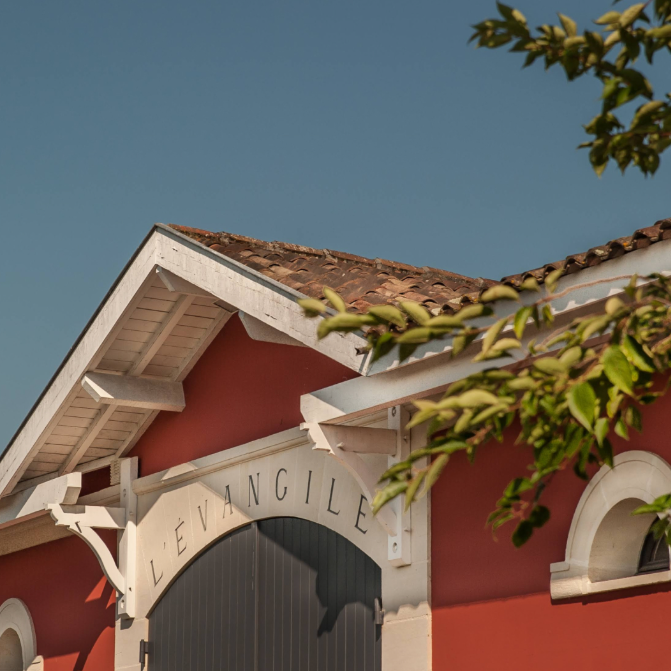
x: 15, y: 615
x: 637, y: 477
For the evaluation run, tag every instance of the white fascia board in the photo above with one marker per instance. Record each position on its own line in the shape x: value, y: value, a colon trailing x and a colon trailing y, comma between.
x: 84, y: 355
x: 655, y: 258
x: 427, y: 373
x: 31, y: 502
x: 255, y: 294
x: 246, y: 289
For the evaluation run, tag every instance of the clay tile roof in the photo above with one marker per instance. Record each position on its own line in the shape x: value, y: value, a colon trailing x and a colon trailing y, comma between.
x: 364, y: 282
x: 643, y: 237
x: 360, y: 281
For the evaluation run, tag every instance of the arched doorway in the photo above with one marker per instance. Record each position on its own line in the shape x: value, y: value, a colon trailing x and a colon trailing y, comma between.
x: 282, y: 594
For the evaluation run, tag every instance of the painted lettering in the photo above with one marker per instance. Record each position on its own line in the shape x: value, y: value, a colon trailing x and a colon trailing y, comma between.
x: 277, y: 485
x: 359, y: 515
x: 180, y: 539
x: 227, y: 500
x: 331, y: 498
x: 253, y: 490
x: 153, y: 573
x: 203, y: 520
x: 307, y: 498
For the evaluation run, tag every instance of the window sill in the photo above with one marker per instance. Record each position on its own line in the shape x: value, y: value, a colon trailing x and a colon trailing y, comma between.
x: 563, y: 585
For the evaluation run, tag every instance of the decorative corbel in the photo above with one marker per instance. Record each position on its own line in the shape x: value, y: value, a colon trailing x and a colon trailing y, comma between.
x: 345, y: 444
x: 83, y: 521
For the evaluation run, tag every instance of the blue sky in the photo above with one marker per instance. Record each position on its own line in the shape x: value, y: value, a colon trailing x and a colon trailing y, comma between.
x: 368, y: 127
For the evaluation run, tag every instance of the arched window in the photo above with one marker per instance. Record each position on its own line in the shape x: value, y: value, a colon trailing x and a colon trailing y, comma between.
x: 18, y: 647
x: 608, y: 548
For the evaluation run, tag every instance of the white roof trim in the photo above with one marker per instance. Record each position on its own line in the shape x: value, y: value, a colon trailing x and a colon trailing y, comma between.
x: 246, y: 289
x: 432, y: 370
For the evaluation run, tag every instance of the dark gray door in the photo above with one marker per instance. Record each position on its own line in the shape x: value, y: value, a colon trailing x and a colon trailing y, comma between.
x: 279, y: 595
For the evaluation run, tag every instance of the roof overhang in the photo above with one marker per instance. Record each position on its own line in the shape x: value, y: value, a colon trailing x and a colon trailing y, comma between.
x: 177, y: 294
x: 432, y: 369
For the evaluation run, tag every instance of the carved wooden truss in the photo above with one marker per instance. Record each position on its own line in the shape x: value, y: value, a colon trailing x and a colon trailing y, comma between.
x: 83, y: 521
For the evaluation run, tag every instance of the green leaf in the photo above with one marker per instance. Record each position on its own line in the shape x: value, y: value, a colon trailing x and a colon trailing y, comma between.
x: 477, y: 397
x: 621, y: 429
x: 517, y: 486
x: 630, y: 15
x: 613, y: 304
x: 601, y: 429
x: 434, y: 472
x: 416, y: 311
x: 522, y: 533
x: 635, y: 352
x: 660, y: 505
x: 492, y: 334
x: 383, y: 496
x: 389, y: 314
x: 334, y: 299
x: 445, y: 322
x: 521, y: 319
x: 552, y: 279
x: 416, y: 336
x: 344, y: 321
x: 633, y: 418
x: 485, y: 414
x: 549, y: 366
x: 539, y: 516
x: 569, y: 25
x: 571, y: 356
x: 312, y: 307
x: 473, y: 311
x: 548, y: 317
x: 582, y: 403
x: 522, y: 384
x: 500, y: 292
x: 530, y: 284
x: 413, y: 486
x: 505, y: 344
x: 607, y: 18
x: 617, y: 369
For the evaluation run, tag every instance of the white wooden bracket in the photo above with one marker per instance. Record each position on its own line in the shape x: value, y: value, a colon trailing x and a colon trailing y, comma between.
x: 84, y: 520
x: 347, y: 443
x: 135, y: 392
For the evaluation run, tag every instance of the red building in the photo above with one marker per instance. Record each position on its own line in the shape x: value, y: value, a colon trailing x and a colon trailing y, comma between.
x: 191, y: 490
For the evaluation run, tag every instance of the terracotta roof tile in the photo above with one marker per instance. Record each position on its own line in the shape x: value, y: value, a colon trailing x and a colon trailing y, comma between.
x: 364, y: 282
x: 361, y: 282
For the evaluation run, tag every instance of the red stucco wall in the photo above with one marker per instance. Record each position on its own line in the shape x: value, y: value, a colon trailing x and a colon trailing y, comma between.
x: 491, y: 602
x: 70, y: 600
x: 240, y: 390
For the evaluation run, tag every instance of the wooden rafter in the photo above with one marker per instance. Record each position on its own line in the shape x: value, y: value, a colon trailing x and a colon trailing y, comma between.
x: 87, y: 439
x: 156, y: 342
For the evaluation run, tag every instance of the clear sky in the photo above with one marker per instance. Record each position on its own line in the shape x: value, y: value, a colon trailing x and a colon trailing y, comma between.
x: 369, y: 127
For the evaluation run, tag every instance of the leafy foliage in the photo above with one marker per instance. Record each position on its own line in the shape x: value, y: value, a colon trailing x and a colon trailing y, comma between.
x: 569, y: 389
x: 608, y: 53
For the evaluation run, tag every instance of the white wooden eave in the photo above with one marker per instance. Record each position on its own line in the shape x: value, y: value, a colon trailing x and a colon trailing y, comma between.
x: 162, y: 313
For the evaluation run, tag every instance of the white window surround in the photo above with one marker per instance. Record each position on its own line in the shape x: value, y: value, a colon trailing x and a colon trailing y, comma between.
x: 605, y: 540
x: 14, y: 616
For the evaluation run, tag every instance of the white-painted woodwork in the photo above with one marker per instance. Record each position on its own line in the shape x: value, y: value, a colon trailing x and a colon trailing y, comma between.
x: 258, y: 330
x: 361, y: 439
x: 82, y: 521
x: 87, y: 440
x: 127, y: 604
x: 134, y: 392
x: 26, y: 504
